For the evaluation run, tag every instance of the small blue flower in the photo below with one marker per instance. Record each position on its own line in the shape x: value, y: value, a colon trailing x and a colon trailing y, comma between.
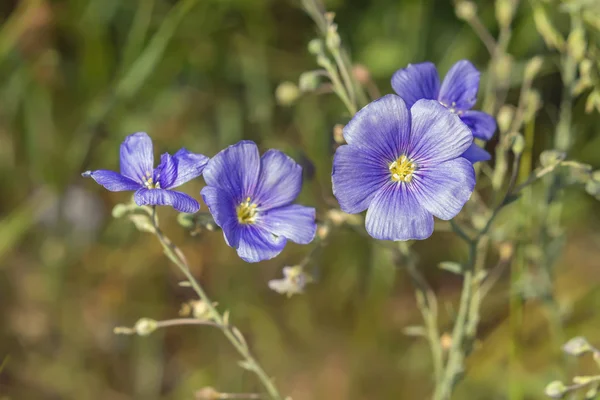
x: 250, y: 197
x: 458, y: 93
x: 153, y: 185
x: 405, y: 167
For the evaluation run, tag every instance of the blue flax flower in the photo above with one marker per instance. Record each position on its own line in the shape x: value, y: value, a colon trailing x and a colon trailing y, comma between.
x: 152, y: 185
x: 458, y: 93
x: 405, y: 167
x: 250, y: 198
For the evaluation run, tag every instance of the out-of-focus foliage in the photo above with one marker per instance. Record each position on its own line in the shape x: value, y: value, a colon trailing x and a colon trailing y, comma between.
x: 79, y: 75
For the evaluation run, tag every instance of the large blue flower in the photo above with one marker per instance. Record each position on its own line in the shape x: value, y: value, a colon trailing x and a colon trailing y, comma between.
x: 405, y: 167
x: 250, y: 198
x: 458, y: 93
x: 153, y: 186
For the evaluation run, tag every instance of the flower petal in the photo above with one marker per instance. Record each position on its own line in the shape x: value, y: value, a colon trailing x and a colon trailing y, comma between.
x: 444, y: 189
x: 222, y: 207
x: 415, y: 82
x: 476, y: 154
x: 112, y: 180
x: 381, y: 127
x: 137, y: 158
x: 395, y: 214
x: 459, y: 89
x: 235, y: 170
x: 482, y: 124
x: 279, y: 181
x: 357, y: 176
x: 257, y: 244
x: 294, y: 222
x: 437, y: 134
x: 180, y: 168
x: 161, y: 197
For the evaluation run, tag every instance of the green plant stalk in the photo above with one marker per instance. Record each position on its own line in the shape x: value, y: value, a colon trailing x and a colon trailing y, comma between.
x: 427, y: 304
x: 176, y: 256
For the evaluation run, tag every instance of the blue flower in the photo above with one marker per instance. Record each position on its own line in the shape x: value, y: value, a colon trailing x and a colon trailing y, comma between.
x: 250, y: 197
x: 153, y: 185
x: 404, y: 167
x: 458, y: 93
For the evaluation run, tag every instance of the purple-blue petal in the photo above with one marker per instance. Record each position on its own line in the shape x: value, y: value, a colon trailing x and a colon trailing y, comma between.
x: 221, y: 205
x: 257, y: 244
x: 382, y: 128
x: 396, y: 214
x: 279, y: 180
x: 444, y: 189
x: 162, y: 197
x: 437, y: 134
x: 476, y: 154
x: 294, y: 222
x: 136, y: 157
x: 482, y: 124
x: 235, y: 170
x: 357, y: 176
x: 166, y: 172
x: 112, y: 180
x: 189, y: 166
x: 415, y: 82
x: 460, y: 86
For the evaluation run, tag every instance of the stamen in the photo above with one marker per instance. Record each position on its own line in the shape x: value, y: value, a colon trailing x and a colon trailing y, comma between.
x: 402, y: 169
x: 246, y: 212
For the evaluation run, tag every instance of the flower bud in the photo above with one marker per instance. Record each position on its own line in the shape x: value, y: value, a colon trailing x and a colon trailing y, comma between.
x: 332, y: 38
x: 577, y: 346
x: 145, y: 326
x: 323, y: 61
x: 551, y: 36
x: 338, y: 134
x: 503, y: 68
x: 504, y: 12
x: 593, y: 101
x: 576, y: 44
x: 315, y: 47
x: 466, y: 10
x: 518, y: 144
x: 119, y: 210
x: 551, y: 157
x: 533, y: 102
x: 308, y: 81
x: 555, y: 389
x: 287, y: 93
x: 533, y: 67
x: 506, y: 115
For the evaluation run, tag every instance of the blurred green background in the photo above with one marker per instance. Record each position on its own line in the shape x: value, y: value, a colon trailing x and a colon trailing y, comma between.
x: 79, y: 75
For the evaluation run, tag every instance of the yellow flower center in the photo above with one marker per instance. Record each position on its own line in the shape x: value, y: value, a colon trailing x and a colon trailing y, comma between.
x: 149, y: 182
x: 246, y: 212
x: 402, y: 169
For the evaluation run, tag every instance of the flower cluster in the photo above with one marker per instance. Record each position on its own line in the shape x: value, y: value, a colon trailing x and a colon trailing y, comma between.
x: 407, y: 159
x: 250, y: 197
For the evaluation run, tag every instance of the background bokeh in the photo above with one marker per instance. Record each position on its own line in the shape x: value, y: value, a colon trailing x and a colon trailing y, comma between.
x: 77, y: 76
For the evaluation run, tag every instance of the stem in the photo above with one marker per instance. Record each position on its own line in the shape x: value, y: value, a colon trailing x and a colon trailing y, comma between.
x: 231, y: 333
x: 427, y: 303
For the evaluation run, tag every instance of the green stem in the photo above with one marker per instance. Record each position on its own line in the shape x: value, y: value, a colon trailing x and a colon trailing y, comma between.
x: 231, y: 333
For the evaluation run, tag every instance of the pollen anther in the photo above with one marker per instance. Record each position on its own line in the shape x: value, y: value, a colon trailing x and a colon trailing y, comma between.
x: 246, y: 212
x: 402, y: 169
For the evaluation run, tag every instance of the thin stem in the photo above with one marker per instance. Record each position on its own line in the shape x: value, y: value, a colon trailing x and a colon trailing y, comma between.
x: 427, y: 303
x: 232, y: 334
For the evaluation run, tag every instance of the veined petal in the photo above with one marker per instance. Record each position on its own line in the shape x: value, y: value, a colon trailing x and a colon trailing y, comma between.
x: 279, y: 180
x: 482, y: 124
x: 180, y: 168
x: 437, y: 134
x: 235, y: 170
x: 258, y: 244
x: 222, y: 207
x: 357, y: 176
x: 460, y: 86
x: 162, y: 197
x: 112, y: 180
x: 382, y: 127
x: 136, y: 157
x: 476, y: 154
x: 443, y: 189
x: 395, y: 214
x: 294, y: 222
x: 415, y: 82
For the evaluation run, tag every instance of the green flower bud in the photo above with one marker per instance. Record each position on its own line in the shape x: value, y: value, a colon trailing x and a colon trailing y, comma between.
x: 315, y: 47
x: 555, y: 389
x: 551, y: 36
x: 518, y: 144
x: 533, y: 67
x: 577, y: 346
x: 576, y: 44
x: 466, y: 10
x: 506, y: 115
x: 287, y: 93
x: 333, y: 38
x: 120, y: 210
x: 593, y: 101
x: 308, y: 81
x: 145, y: 326
x: 551, y: 157
x: 504, y: 12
